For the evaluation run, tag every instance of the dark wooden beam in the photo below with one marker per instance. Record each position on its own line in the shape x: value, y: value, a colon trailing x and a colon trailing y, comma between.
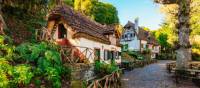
x: 166, y: 1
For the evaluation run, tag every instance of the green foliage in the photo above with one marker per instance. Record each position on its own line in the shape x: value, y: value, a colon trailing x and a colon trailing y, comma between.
x: 196, y: 54
x: 47, y: 61
x: 103, y: 13
x: 28, y: 61
x: 103, y: 68
x: 136, y: 55
x: 23, y: 17
x: 22, y: 74
x: 6, y: 50
x: 53, y: 3
x: 84, y: 6
x: 171, y: 14
x: 4, y: 71
x: 166, y: 36
x: 4, y: 81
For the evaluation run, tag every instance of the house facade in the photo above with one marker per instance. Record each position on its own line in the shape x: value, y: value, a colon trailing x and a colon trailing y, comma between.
x: 137, y: 39
x: 74, y: 29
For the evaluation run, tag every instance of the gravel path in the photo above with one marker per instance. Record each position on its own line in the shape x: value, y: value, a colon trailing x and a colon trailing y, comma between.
x: 152, y: 76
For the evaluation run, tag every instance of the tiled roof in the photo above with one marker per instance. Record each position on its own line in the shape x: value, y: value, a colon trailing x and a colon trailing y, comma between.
x: 81, y: 23
x: 146, y: 35
x: 152, y: 40
x: 143, y: 34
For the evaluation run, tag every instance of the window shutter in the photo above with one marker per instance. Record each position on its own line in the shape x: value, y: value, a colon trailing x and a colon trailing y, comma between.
x: 108, y: 55
x: 104, y: 55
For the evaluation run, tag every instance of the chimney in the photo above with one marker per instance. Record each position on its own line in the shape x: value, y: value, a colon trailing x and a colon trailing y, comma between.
x: 137, y: 24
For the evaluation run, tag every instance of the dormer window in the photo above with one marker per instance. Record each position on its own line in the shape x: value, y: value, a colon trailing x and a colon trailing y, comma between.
x: 131, y: 35
x: 61, y: 31
x: 125, y: 36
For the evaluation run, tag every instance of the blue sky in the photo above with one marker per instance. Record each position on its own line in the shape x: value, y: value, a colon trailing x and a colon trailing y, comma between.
x: 147, y: 11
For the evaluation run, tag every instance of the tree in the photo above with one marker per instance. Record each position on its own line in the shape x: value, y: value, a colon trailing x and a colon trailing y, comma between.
x: 183, y: 26
x: 84, y: 6
x: 53, y: 3
x: 170, y: 32
x: 23, y: 17
x: 171, y: 14
x: 103, y: 13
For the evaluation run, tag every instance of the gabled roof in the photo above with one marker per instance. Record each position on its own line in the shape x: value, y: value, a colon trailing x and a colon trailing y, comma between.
x: 143, y: 34
x: 152, y: 40
x: 146, y: 35
x: 81, y: 23
x: 129, y: 24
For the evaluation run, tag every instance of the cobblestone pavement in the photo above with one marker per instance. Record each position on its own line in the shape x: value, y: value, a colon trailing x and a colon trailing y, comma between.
x: 152, y: 76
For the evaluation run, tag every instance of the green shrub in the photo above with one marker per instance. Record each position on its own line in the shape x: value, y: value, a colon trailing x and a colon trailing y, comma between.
x: 6, y: 49
x: 47, y: 61
x: 136, y: 55
x: 22, y: 74
x: 103, y: 68
x: 196, y: 54
x: 4, y: 71
x: 27, y: 62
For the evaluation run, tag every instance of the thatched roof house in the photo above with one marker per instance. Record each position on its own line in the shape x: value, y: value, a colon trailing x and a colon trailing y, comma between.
x: 75, y: 29
x: 84, y: 26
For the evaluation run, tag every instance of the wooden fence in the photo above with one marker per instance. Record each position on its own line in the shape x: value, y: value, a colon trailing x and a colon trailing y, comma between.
x: 75, y: 54
x: 70, y: 54
x: 108, y: 81
x: 193, y: 72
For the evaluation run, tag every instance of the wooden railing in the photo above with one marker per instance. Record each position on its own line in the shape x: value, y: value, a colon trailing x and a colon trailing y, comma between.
x: 192, y: 65
x: 193, y: 72
x: 43, y: 34
x: 71, y: 54
x: 108, y: 81
x: 75, y: 54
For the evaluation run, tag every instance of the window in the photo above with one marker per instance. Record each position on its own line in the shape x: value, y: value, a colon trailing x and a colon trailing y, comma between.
x: 97, y: 54
x: 105, y: 55
x: 122, y: 36
x: 147, y: 46
x: 112, y: 54
x: 131, y: 35
x: 142, y: 46
x: 125, y: 47
x: 108, y: 55
x: 61, y: 31
x: 117, y: 54
x: 125, y: 36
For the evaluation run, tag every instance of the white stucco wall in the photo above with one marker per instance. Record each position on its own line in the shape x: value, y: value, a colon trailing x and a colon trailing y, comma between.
x: 133, y: 44
x: 83, y: 42
x: 144, y: 43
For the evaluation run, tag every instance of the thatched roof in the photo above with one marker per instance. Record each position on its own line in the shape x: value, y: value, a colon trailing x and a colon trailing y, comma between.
x: 81, y: 24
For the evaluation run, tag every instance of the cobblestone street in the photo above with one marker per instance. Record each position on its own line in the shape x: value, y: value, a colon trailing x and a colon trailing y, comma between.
x: 152, y: 76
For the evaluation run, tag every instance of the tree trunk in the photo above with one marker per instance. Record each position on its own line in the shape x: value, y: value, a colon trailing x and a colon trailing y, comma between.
x: 2, y: 23
x: 183, y: 26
